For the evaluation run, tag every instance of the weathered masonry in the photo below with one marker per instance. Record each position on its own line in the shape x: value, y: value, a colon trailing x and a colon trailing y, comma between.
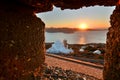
x: 22, y: 46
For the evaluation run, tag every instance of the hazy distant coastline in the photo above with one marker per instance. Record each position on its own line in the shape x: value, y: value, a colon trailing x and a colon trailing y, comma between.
x: 68, y: 30
x: 64, y: 30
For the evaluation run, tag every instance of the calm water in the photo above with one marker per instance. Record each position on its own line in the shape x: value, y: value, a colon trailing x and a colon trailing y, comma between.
x: 81, y: 37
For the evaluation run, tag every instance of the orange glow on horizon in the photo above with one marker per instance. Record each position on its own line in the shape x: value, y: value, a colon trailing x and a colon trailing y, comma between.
x: 83, y: 26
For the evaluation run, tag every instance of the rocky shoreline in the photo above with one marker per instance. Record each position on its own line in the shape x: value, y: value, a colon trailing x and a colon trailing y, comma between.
x: 57, y: 73
x: 87, y: 55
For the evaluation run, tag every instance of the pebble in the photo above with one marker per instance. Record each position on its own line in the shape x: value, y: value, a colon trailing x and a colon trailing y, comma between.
x: 57, y: 73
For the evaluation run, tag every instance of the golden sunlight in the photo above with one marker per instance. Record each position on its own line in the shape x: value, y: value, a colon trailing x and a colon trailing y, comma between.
x: 83, y: 26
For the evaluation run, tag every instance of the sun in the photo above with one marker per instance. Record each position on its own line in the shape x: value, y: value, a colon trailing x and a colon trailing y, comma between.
x: 83, y: 26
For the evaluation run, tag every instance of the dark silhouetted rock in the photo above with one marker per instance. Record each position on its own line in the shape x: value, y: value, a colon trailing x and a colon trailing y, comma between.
x: 112, y: 55
x: 21, y: 44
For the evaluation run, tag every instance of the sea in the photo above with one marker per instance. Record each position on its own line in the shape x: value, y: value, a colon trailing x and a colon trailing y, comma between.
x: 79, y: 37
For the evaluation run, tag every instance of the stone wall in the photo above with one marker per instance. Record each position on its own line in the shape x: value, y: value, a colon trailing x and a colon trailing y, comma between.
x: 76, y: 4
x: 21, y: 43
x: 112, y: 56
x: 22, y: 37
x: 47, y: 5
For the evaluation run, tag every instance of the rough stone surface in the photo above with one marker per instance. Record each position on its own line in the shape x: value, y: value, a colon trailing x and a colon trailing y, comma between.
x: 112, y: 56
x: 35, y: 5
x: 47, y: 5
x: 76, y: 4
x: 22, y: 37
x: 57, y: 73
x: 21, y: 44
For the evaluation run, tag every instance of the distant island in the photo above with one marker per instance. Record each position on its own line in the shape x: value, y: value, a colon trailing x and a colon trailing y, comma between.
x: 69, y: 30
x: 64, y: 30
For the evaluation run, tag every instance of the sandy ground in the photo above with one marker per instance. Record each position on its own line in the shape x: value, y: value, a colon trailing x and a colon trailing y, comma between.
x: 51, y: 61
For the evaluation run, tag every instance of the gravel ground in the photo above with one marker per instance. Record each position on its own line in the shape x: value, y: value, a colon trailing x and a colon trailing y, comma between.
x: 95, y: 74
x: 57, y: 73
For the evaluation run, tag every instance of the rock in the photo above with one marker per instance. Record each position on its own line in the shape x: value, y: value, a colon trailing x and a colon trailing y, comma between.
x: 112, y: 55
x: 60, y: 74
x: 97, y: 52
x: 83, y: 47
x: 21, y: 48
x: 81, y: 50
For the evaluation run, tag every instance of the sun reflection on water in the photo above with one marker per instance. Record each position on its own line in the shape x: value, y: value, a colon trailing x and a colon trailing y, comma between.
x: 82, y: 40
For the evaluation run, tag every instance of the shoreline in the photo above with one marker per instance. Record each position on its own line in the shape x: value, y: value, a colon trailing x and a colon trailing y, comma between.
x: 87, y: 56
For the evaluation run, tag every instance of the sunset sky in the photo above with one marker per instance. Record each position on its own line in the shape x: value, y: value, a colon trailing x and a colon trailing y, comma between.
x: 94, y: 17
